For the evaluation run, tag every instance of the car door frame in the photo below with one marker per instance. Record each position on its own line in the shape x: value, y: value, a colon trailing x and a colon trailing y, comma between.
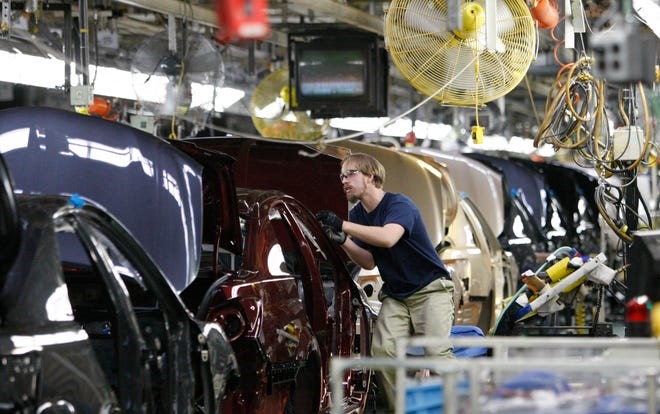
x: 321, y: 308
x: 319, y: 317
x: 132, y: 380
x: 134, y: 360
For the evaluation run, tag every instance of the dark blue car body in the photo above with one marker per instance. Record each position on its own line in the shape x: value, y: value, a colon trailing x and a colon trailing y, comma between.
x: 150, y: 186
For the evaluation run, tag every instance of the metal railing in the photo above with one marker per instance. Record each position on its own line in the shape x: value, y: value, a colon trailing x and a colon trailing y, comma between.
x: 508, y: 354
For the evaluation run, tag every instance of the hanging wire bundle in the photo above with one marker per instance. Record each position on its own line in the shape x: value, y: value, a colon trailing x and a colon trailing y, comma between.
x: 573, y: 108
x: 577, y: 120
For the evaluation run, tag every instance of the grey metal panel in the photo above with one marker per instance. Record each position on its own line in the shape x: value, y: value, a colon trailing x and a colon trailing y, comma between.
x: 150, y: 186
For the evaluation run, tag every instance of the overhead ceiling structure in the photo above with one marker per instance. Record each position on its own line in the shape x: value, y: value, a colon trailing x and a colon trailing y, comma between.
x: 121, y: 26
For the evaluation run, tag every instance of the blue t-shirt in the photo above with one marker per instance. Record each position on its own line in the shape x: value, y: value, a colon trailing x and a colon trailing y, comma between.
x: 412, y: 262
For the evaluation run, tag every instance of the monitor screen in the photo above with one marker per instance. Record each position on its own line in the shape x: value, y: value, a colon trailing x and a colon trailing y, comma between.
x: 338, y: 74
x: 332, y: 73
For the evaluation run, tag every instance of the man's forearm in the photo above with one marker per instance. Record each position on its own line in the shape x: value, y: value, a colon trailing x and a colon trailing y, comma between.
x: 357, y: 254
x: 385, y: 236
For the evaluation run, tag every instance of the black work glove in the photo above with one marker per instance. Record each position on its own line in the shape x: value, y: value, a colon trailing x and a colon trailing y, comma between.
x: 338, y: 237
x: 330, y: 219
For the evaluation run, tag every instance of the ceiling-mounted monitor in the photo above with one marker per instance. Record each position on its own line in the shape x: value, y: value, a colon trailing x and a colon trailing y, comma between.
x: 338, y: 73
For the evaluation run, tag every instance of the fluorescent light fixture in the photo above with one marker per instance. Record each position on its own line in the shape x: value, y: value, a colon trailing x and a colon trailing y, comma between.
x: 492, y: 142
x: 397, y: 129
x: 49, y: 73
x: 438, y: 132
x: 31, y: 70
x: 272, y: 110
x: 358, y: 124
x: 202, y: 96
x: 513, y: 144
x: 400, y: 128
x: 546, y: 150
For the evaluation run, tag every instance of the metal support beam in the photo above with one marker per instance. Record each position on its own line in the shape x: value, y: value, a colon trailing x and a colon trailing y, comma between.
x: 5, y: 20
x: 83, y: 23
x: 177, y: 8
x: 68, y: 45
x: 208, y: 17
x: 201, y: 15
x: 343, y: 13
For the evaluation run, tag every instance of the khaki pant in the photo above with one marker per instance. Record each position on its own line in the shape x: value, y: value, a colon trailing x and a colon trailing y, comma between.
x: 429, y: 312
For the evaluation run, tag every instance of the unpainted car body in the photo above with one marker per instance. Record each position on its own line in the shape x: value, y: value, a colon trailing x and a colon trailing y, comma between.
x: 485, y: 188
x: 480, y: 183
x: 89, y: 324
x: 529, y: 184
x: 488, y: 273
x: 560, y: 198
x: 573, y: 190
x: 492, y: 271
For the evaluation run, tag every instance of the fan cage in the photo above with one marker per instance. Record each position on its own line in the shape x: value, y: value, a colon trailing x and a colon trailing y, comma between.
x: 272, y: 117
x: 454, y: 70
x: 192, y: 91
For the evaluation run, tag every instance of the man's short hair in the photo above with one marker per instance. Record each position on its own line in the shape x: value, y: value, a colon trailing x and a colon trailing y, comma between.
x: 367, y: 165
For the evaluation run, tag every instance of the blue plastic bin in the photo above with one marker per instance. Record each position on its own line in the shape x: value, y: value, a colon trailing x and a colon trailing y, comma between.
x: 425, y: 398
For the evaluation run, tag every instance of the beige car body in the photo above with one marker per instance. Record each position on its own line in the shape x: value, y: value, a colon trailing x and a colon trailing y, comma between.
x: 487, y: 272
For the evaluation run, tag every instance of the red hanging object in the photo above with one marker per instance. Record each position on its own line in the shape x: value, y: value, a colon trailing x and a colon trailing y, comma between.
x: 546, y: 13
x: 242, y: 20
x: 100, y: 107
x: 103, y: 108
x: 410, y: 139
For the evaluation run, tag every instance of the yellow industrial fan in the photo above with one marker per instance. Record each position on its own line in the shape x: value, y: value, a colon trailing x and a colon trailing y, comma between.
x: 456, y: 65
x: 272, y: 116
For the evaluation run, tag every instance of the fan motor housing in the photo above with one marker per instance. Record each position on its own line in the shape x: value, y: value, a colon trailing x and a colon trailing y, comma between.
x: 170, y: 65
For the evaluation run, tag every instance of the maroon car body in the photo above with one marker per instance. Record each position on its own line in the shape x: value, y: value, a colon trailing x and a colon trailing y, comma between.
x: 286, y: 298
x: 297, y: 169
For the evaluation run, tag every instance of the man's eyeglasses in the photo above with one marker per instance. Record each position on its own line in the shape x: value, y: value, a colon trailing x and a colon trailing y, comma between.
x: 347, y: 173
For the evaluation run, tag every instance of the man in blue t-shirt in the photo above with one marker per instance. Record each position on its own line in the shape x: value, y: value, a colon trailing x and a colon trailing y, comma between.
x: 386, y: 230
